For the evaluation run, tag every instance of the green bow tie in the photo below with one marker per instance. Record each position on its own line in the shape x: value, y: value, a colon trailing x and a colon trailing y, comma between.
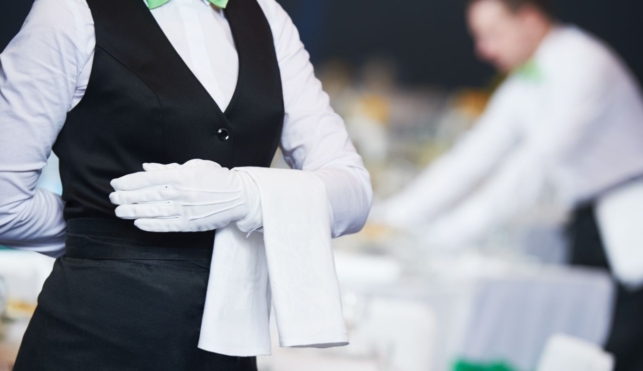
x: 530, y: 71
x: 156, y: 3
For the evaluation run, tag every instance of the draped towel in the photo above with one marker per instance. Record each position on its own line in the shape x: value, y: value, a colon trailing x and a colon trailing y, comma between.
x: 290, y: 263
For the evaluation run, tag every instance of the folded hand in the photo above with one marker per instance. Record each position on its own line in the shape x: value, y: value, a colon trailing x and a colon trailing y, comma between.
x: 199, y: 195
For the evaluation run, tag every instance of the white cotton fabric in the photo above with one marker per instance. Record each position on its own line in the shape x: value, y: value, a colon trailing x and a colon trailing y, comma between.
x: 619, y: 214
x: 291, y: 265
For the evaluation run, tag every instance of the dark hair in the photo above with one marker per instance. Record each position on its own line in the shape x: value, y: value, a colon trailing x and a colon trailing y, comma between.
x: 544, y: 6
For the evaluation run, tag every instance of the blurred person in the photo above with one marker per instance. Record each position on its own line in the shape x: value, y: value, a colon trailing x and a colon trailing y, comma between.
x: 116, y: 88
x: 568, y: 119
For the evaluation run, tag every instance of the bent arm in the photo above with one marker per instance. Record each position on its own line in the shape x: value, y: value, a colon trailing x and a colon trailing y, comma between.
x: 575, y: 105
x: 450, y: 178
x: 38, y: 73
x: 314, y: 137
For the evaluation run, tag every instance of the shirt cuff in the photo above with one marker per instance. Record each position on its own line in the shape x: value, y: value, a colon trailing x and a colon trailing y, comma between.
x: 253, y: 222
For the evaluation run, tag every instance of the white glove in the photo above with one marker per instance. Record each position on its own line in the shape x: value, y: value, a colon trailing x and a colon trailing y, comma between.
x: 199, y: 195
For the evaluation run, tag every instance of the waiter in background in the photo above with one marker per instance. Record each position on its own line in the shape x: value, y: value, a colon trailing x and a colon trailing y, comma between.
x: 568, y: 119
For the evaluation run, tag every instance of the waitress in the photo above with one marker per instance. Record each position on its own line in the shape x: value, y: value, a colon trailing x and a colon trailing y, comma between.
x: 110, y: 85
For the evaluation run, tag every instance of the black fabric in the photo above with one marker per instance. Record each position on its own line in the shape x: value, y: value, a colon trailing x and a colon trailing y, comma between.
x: 121, y: 314
x: 143, y: 104
x: 122, y: 298
x: 108, y: 240
x: 626, y: 336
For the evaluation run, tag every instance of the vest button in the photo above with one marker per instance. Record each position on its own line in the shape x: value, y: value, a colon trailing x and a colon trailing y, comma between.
x: 223, y: 134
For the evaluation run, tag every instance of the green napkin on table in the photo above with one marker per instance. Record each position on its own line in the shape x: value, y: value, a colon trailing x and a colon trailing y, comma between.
x: 470, y: 366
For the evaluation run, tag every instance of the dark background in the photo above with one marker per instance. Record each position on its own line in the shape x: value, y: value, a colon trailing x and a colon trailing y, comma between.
x: 427, y: 38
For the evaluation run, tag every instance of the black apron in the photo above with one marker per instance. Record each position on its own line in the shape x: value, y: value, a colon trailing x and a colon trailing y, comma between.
x: 122, y: 298
x: 586, y: 249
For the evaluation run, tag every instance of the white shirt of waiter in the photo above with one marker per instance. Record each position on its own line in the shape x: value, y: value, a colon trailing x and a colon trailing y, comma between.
x: 44, y: 72
x: 574, y: 124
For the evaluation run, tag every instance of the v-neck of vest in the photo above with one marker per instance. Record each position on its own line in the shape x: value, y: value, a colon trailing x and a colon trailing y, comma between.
x: 125, y: 11
x: 141, y: 7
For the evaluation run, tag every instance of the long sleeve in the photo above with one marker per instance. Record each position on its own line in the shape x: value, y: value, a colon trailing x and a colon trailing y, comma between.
x: 38, y: 74
x: 314, y: 137
x: 576, y: 100
x: 450, y: 178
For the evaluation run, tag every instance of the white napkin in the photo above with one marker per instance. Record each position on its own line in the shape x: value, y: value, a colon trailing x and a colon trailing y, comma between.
x: 619, y: 215
x: 566, y: 353
x: 290, y: 263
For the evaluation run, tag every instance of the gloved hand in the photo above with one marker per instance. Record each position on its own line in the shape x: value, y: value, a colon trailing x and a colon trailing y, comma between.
x: 199, y: 195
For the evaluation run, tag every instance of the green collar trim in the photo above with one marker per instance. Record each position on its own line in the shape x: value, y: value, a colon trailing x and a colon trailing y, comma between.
x: 156, y: 3
x: 529, y: 71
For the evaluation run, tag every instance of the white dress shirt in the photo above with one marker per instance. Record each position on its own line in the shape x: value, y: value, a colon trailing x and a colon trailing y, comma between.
x: 44, y: 72
x: 574, y: 126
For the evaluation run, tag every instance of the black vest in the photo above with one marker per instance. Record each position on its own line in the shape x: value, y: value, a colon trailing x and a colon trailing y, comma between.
x: 143, y: 104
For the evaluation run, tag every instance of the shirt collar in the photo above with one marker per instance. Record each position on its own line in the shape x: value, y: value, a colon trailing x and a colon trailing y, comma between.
x: 532, y: 70
x: 206, y: 2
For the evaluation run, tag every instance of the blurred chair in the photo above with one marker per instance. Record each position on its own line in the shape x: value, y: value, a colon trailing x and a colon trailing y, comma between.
x: 619, y: 214
x: 403, y: 332
x: 387, y: 335
x: 566, y: 353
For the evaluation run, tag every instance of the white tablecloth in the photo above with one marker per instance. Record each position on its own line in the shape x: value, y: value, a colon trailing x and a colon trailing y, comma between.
x: 513, y: 317
x: 488, y: 310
